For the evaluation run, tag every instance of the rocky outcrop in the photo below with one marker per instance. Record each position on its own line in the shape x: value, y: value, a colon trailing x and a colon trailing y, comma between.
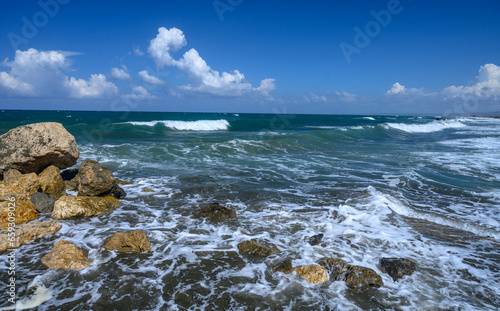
x: 397, y: 267
x: 135, y: 241
x: 355, y: 277
x: 312, y: 273
x: 71, y: 206
x: 256, y: 248
x: 20, y: 185
x: 16, y: 210
x: 44, y: 203
x: 66, y: 255
x: 284, y: 266
x: 33, y: 147
x: 26, y: 233
x: 96, y: 180
x: 51, y: 182
x: 216, y: 211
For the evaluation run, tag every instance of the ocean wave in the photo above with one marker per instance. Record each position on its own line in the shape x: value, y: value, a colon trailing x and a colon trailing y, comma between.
x: 434, y: 126
x: 199, y: 125
x: 368, y: 118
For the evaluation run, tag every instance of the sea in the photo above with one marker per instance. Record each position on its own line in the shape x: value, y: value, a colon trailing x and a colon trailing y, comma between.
x: 423, y: 188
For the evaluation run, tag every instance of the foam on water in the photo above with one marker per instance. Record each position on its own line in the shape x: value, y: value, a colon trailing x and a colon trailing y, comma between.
x: 430, y: 127
x: 199, y: 125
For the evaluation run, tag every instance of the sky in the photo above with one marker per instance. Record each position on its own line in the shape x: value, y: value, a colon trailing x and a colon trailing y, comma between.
x: 282, y: 56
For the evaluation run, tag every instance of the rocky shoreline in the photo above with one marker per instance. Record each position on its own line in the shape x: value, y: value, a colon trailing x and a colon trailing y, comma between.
x: 31, y: 159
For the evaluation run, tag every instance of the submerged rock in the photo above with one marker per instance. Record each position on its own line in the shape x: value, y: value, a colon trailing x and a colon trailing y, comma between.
x: 23, y: 211
x: 284, y: 266
x: 256, y: 248
x: 71, y: 206
x: 96, y: 180
x: 355, y: 277
x: 66, y: 255
x: 33, y: 147
x: 51, y: 182
x: 135, y: 241
x: 26, y: 233
x: 44, y: 203
x: 216, y: 211
x: 315, y: 239
x: 312, y: 273
x: 397, y: 267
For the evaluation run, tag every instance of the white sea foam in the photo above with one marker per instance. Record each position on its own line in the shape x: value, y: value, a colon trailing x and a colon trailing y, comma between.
x: 199, y: 125
x: 369, y: 118
x: 434, y: 126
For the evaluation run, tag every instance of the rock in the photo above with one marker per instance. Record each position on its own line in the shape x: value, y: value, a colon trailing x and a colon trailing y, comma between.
x: 71, y: 185
x: 146, y: 190
x: 33, y: 147
x: 96, y: 180
x: 22, y: 186
x: 11, y: 176
x: 66, y: 255
x: 397, y: 267
x: 123, y: 182
x: 44, y: 203
x: 135, y: 241
x: 253, y: 247
x: 117, y: 192
x: 51, y: 182
x: 216, y: 211
x: 355, y: 277
x: 312, y: 273
x: 284, y: 266
x: 26, y: 233
x: 23, y: 210
x: 69, y: 174
x: 315, y: 239
x: 71, y: 206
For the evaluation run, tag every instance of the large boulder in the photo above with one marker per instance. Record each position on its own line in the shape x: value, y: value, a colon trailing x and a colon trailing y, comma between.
x: 51, y: 182
x: 216, y: 211
x: 71, y: 206
x: 26, y: 233
x: 16, y: 210
x: 20, y: 185
x: 312, y: 273
x: 44, y: 203
x: 355, y: 277
x: 256, y: 248
x: 33, y: 147
x: 66, y: 255
x: 397, y: 267
x: 96, y: 180
x: 135, y: 241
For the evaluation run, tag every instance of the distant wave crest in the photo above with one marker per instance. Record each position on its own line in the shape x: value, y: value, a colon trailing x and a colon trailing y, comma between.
x: 425, y: 128
x: 199, y: 125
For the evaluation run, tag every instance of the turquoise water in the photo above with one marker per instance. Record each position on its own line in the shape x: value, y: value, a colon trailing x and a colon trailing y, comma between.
x: 375, y: 186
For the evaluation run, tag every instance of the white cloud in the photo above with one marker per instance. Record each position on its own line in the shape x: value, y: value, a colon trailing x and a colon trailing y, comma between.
x: 120, y: 74
x: 147, y: 78
x: 336, y: 97
x: 137, y: 51
x: 41, y: 73
x: 486, y: 87
x: 207, y: 80
x: 139, y: 93
x: 396, y: 89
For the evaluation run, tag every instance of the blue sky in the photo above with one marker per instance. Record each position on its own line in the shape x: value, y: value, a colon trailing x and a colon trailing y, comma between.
x: 251, y: 56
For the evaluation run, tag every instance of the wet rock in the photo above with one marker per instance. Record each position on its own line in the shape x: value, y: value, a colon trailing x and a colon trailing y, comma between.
x: 66, y: 255
x: 51, y: 182
x: 315, y: 239
x: 33, y: 147
x: 256, y: 248
x: 26, y: 233
x: 44, y: 203
x: 355, y: 277
x: 71, y: 206
x: 135, y: 241
x: 117, y: 192
x: 147, y: 190
x: 397, y: 267
x: 216, y: 211
x: 69, y: 174
x: 23, y: 185
x: 123, y: 182
x: 284, y: 266
x: 71, y: 185
x: 94, y: 179
x: 312, y: 273
x: 23, y: 210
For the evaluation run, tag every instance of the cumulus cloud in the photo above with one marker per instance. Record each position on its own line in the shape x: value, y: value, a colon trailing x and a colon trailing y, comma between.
x: 120, y: 74
x: 149, y: 79
x: 486, y: 87
x: 206, y: 79
x: 139, y: 93
x: 41, y: 73
x: 396, y: 89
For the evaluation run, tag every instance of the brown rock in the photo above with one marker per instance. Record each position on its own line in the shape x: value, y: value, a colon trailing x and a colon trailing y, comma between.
x: 33, y: 147
x: 66, y: 255
x: 397, y: 267
x: 146, y: 190
x: 51, y: 182
x: 71, y: 206
x: 123, y: 182
x: 17, y: 211
x: 336, y: 267
x: 355, y: 277
x: 312, y: 273
x: 72, y: 185
x: 135, y: 241
x: 11, y: 176
x: 22, y: 186
x: 216, y: 211
x: 94, y: 179
x: 284, y: 266
x: 256, y: 248
x: 26, y: 233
